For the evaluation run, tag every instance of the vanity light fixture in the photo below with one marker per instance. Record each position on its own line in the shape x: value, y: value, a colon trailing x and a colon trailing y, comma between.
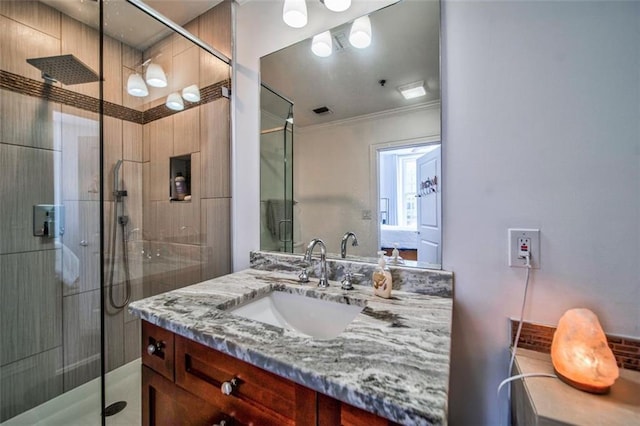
x: 322, y: 45
x: 136, y: 86
x: 174, y: 102
x: 360, y: 34
x: 155, y: 76
x: 191, y: 93
x: 294, y: 13
x: 337, y: 5
x: 413, y: 90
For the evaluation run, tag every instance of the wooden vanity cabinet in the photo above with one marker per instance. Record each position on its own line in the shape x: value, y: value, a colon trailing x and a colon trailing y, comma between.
x: 183, y: 382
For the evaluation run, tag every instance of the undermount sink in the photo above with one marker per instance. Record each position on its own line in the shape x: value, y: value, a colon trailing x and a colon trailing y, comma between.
x: 321, y: 319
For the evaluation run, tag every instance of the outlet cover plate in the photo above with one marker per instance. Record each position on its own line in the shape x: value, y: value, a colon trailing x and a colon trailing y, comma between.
x: 534, y: 236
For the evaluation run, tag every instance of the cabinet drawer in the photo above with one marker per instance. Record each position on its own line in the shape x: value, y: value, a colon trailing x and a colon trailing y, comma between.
x: 165, y: 404
x: 159, y: 359
x: 259, y: 397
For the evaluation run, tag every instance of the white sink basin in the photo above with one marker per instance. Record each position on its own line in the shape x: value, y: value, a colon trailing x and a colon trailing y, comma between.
x: 321, y: 319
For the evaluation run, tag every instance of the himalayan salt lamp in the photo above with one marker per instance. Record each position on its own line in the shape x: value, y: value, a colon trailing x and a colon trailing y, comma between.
x: 580, y: 354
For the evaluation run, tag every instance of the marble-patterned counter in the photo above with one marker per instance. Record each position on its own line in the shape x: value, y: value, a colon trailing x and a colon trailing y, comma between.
x: 393, y: 359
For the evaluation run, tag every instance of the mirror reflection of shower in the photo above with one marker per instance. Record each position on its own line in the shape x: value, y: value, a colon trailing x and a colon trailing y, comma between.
x: 119, y: 218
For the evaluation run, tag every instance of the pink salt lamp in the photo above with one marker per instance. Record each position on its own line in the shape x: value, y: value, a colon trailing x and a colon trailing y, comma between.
x: 580, y: 354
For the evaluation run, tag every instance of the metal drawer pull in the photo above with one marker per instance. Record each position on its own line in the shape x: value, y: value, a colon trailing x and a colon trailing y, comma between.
x: 227, y: 387
x: 154, y: 347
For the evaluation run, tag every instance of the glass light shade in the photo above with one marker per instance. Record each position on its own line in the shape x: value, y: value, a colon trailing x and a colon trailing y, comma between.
x: 191, y: 93
x: 360, y: 34
x: 322, y: 45
x: 136, y: 86
x: 155, y: 76
x: 294, y: 13
x: 174, y: 102
x: 337, y: 5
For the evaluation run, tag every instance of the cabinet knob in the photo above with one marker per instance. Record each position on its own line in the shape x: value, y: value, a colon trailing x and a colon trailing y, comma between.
x: 154, y: 347
x: 227, y: 387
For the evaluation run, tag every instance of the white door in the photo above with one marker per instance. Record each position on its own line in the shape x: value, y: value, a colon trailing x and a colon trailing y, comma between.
x: 429, y: 207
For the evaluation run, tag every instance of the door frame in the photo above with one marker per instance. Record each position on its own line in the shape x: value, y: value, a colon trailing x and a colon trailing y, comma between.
x: 374, y: 171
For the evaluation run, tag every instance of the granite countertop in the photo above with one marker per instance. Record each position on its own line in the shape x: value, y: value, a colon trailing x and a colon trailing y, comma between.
x: 393, y: 359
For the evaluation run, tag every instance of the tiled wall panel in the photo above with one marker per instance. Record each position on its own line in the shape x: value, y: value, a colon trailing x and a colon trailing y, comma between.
x: 30, y: 381
x: 31, y: 314
x: 27, y: 181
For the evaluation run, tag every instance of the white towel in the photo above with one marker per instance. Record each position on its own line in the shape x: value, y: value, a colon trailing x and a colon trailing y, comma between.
x: 70, y: 264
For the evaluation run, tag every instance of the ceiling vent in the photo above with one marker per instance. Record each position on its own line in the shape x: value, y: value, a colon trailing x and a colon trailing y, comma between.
x: 323, y: 110
x: 340, y: 42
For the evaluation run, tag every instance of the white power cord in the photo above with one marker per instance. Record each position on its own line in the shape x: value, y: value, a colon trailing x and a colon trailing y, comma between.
x: 517, y: 338
x: 524, y: 302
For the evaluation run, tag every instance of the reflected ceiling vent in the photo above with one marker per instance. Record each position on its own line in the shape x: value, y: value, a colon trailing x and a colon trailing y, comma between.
x: 340, y: 42
x: 66, y: 69
x: 323, y: 110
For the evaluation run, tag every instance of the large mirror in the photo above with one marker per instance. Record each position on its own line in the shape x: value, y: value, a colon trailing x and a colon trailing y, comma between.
x: 344, y: 150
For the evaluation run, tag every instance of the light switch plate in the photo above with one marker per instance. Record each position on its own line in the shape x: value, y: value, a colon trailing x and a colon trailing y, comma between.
x: 532, y: 235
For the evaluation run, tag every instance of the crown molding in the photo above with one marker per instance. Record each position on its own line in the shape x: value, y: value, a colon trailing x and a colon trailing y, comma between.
x: 375, y: 115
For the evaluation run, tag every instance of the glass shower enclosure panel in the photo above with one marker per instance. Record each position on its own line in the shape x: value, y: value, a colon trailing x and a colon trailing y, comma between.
x: 277, y: 206
x: 50, y: 316
x: 91, y: 217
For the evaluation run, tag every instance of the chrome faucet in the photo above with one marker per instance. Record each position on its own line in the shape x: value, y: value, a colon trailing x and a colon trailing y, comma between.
x: 323, y: 283
x: 343, y: 243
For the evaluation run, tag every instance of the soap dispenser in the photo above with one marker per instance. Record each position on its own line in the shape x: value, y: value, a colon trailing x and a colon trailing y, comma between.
x: 382, y: 278
x: 396, y: 259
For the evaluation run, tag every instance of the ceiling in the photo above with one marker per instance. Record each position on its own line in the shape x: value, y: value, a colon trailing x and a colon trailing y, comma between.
x: 405, y: 48
x: 126, y: 23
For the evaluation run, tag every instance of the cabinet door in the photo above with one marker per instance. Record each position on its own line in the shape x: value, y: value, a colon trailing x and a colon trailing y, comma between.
x: 257, y: 397
x: 165, y: 404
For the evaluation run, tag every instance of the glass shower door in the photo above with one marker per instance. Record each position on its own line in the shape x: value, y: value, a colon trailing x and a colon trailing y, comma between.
x: 277, y: 206
x: 50, y: 316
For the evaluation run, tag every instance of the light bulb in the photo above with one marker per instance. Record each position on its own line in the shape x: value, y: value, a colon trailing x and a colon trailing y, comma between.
x: 360, y: 34
x: 322, y: 45
x: 174, y: 102
x: 337, y: 5
x: 294, y: 13
x: 191, y: 93
x: 136, y: 86
x: 155, y: 76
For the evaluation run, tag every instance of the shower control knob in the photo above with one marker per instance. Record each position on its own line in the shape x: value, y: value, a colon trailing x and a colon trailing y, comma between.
x: 227, y: 387
x: 84, y: 243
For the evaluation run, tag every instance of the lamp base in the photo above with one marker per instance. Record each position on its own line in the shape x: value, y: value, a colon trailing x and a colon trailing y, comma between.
x: 600, y: 390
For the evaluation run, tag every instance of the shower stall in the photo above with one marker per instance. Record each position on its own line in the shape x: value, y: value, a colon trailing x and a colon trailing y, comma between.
x: 278, y: 230
x: 103, y: 105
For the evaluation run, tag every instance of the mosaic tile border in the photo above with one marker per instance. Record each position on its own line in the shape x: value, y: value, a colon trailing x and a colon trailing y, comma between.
x: 538, y: 338
x: 27, y: 86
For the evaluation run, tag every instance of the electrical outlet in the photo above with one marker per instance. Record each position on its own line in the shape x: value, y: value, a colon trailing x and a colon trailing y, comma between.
x: 521, y: 242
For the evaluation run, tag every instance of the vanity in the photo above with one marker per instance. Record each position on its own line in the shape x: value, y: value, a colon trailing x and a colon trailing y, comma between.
x: 205, y: 364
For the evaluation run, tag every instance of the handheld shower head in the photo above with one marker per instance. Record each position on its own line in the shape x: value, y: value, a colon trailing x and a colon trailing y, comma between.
x: 117, y: 192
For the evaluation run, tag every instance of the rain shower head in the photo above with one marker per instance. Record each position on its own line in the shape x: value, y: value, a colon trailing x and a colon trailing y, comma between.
x: 66, y: 69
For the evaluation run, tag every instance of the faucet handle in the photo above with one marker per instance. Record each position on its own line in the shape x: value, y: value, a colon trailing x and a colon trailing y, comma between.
x: 347, y: 282
x: 303, y: 277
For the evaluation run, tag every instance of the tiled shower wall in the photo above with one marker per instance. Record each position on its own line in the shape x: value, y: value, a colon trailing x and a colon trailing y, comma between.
x: 49, y: 321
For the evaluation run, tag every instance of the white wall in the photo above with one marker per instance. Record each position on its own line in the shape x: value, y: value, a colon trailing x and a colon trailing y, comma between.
x: 333, y: 183
x: 260, y: 31
x: 541, y: 108
x: 549, y: 87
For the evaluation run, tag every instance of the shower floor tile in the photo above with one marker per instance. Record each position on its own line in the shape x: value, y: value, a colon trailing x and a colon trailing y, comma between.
x: 81, y: 406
